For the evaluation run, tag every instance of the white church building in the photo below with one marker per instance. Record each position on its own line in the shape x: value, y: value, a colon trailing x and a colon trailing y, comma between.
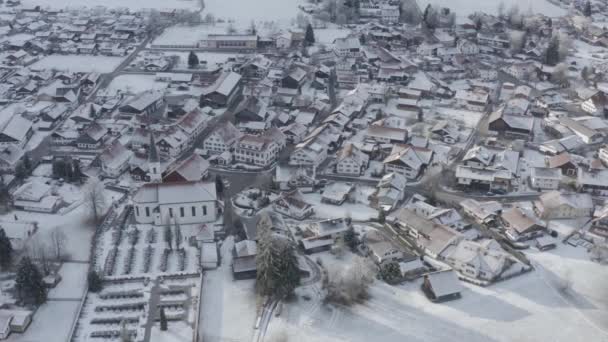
x: 185, y: 202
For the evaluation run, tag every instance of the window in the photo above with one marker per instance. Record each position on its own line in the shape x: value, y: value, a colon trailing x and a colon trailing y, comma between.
x: 193, y: 211
x: 148, y: 211
x: 204, y: 210
x: 181, y: 212
x: 170, y: 212
x: 137, y: 211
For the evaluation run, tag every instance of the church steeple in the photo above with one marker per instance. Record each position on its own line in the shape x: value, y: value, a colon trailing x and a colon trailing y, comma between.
x: 154, y: 161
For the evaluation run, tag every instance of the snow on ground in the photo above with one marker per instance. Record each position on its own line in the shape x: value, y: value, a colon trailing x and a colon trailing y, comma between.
x: 328, y: 35
x: 245, y: 11
x: 211, y: 58
x: 526, y: 308
x: 187, y: 35
x: 463, y: 8
x: 79, y: 63
x: 134, y: 84
x: 51, y: 323
x: 131, y: 4
x: 469, y: 118
x: 228, y: 307
x: 358, y: 212
x: 176, y: 332
x: 73, y: 281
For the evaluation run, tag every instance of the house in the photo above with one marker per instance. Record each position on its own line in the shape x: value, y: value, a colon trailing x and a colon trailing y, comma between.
x: 381, y: 249
x: 223, y: 138
x: 10, y: 156
x: 146, y: 103
x: 482, y: 212
x: 17, y: 131
x: 594, y: 182
x: 475, y: 101
x: 431, y: 237
x: 545, y: 178
x: 474, y: 260
x: 563, y: 162
x: 244, y: 264
x: 587, y: 134
x: 390, y: 191
x: 351, y: 161
x: 308, y: 153
x: 183, y: 202
x: 557, y: 205
x: 347, y: 47
x: 231, y: 42
x: 5, y: 325
x: 337, y: 193
x: 173, y: 143
x: 321, y: 235
x: 251, y: 110
x: 36, y: 196
x: 521, y: 225
x: 408, y: 161
x: 225, y: 90
x: 256, y: 150
x: 442, y: 286
x: 386, y: 135
x: 92, y: 137
x: 294, y: 79
x: 193, y: 168
x: 294, y: 177
x: 114, y: 159
x: 292, y: 204
x: 446, y: 132
x: 193, y: 123
x: 511, y: 125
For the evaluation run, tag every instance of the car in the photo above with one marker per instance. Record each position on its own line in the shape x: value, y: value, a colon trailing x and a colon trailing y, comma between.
x: 490, y: 193
x: 500, y: 192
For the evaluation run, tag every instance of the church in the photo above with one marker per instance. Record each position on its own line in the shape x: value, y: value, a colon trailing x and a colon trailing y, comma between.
x: 158, y: 203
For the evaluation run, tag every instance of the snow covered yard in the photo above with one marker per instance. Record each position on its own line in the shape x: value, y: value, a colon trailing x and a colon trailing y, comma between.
x: 131, y: 4
x: 357, y: 211
x: 176, y: 332
x: 526, y: 308
x: 73, y: 281
x: 228, y: 306
x: 134, y: 84
x: 51, y: 323
x: 78, y: 63
x: 212, y: 59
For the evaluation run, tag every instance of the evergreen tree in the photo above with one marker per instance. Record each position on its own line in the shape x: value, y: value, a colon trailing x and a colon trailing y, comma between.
x: 192, y: 60
x: 552, y: 52
x: 5, y: 195
x: 77, y: 171
x: 29, y: 284
x: 27, y: 162
x: 288, y: 271
x: 362, y: 39
x: 219, y: 184
x: 427, y: 10
x: 390, y: 272
x: 6, y: 249
x: 92, y: 111
x: 351, y: 239
x: 381, y: 216
x: 178, y: 235
x: 585, y: 74
x: 309, y: 37
x: 587, y: 9
x: 163, y: 320
x: 252, y: 29
x: 168, y: 235
x: 95, y: 281
x: 20, y: 171
x: 265, y: 280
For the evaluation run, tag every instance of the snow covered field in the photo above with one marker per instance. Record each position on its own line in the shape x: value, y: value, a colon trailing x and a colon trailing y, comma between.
x: 79, y: 63
x: 134, y: 84
x: 245, y: 11
x: 465, y: 7
x: 131, y: 4
x: 51, y: 323
x: 526, y: 308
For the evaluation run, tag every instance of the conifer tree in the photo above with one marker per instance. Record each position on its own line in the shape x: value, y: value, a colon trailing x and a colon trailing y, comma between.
x: 309, y: 37
x: 6, y: 249
x: 29, y: 284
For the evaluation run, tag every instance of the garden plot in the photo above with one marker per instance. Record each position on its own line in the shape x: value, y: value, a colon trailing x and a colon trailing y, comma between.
x: 78, y: 63
x: 134, y: 84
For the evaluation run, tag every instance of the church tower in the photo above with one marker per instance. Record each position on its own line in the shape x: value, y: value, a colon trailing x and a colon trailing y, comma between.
x: 154, y: 162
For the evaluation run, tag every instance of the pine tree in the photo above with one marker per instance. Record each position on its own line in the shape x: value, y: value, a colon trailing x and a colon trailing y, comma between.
x: 6, y: 249
x: 20, y: 171
x: 309, y: 37
x: 288, y: 271
x: 92, y: 111
x: 265, y: 281
x: 351, y: 239
x: 381, y: 216
x: 76, y: 170
x: 178, y: 235
x: 27, y: 162
x: 29, y: 284
x: 362, y: 39
x: 192, y: 60
x: 163, y: 320
x: 587, y: 9
x: 252, y: 29
x: 168, y: 235
x: 219, y: 185
x: 95, y: 281
x: 552, y: 52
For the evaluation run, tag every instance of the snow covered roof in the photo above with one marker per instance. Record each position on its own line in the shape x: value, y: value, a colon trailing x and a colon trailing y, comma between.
x: 444, y: 283
x: 175, y: 193
x: 17, y: 127
x: 228, y: 83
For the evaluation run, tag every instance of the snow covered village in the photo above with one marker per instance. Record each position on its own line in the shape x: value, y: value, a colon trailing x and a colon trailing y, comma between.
x: 303, y: 170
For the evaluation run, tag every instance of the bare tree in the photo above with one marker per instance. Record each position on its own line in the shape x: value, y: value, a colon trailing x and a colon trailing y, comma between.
x: 39, y: 251
x: 94, y: 199
x: 58, y: 240
x: 350, y: 285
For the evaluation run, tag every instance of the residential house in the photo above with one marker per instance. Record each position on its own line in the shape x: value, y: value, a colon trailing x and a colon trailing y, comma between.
x: 222, y: 139
x: 389, y: 191
x: 545, y: 178
x: 244, y: 264
x: 442, y: 286
x: 557, y: 205
x: 565, y: 163
x: 114, y: 159
x: 381, y: 249
x: 92, y: 137
x: 256, y: 150
x: 17, y: 131
x: 292, y: 204
x: 225, y: 90
x: 145, y: 103
x: 408, y: 161
x: 194, y: 168
x: 385, y: 135
x: 321, y: 235
x: 351, y: 161
x: 521, y: 225
x: 511, y: 125
x: 36, y: 196
x: 482, y: 212
x: 308, y: 153
x: 183, y: 202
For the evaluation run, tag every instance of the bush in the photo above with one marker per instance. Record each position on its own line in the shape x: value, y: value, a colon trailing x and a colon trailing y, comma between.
x: 390, y: 273
x: 351, y: 285
x: 95, y: 282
